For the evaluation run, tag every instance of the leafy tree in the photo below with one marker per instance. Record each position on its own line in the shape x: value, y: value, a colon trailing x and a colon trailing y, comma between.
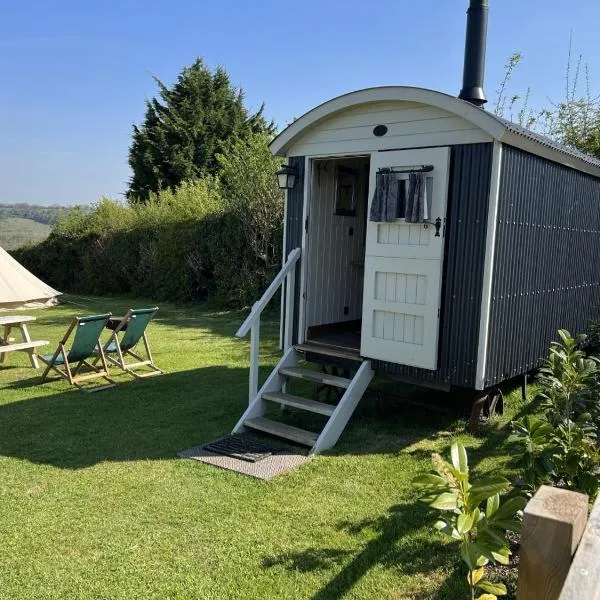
x: 251, y: 194
x: 505, y: 105
x: 573, y: 121
x: 186, y: 127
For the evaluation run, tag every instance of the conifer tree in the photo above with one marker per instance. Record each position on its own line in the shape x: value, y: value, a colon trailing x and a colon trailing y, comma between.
x: 186, y: 127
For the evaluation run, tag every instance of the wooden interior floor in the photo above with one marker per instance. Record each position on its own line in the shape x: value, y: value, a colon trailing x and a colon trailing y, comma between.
x: 339, y: 336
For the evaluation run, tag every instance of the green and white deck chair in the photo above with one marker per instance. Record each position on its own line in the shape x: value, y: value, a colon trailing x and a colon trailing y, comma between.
x: 126, y: 335
x: 85, y: 345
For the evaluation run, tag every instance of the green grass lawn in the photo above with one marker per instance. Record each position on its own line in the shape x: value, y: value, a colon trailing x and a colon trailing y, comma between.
x: 95, y: 503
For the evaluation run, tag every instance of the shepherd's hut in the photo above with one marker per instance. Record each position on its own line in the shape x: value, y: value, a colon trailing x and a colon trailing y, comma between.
x: 427, y: 239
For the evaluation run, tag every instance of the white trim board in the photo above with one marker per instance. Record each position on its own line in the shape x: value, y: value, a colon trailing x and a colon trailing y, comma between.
x: 488, y: 271
x: 306, y: 198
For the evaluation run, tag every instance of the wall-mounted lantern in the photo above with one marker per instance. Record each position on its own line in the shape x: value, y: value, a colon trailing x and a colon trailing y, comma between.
x: 286, y: 177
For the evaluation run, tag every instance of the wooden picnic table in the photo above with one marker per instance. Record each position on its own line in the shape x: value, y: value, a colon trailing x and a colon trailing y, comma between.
x: 27, y: 345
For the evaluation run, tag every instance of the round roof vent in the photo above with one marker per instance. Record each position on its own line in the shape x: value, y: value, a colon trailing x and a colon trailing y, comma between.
x: 380, y: 130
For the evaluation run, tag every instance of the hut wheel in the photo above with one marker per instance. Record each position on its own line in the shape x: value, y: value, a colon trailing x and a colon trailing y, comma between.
x: 485, y: 406
x: 495, y: 403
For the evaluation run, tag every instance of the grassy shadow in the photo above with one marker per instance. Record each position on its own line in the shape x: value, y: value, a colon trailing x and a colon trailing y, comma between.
x: 148, y: 419
x: 398, y: 543
x: 157, y: 417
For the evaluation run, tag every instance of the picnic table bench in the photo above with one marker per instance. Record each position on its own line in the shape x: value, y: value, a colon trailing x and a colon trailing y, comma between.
x: 27, y: 345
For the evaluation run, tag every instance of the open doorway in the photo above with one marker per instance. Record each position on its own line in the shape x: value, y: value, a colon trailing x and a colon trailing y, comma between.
x: 334, y: 276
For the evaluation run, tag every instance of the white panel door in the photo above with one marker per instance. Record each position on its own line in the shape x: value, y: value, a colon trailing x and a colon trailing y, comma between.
x: 403, y: 269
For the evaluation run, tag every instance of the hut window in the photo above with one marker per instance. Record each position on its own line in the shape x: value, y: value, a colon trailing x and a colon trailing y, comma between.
x: 345, y: 191
x: 403, y: 195
x: 392, y: 199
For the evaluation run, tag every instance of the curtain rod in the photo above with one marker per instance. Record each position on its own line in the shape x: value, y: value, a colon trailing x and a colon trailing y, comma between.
x: 421, y: 169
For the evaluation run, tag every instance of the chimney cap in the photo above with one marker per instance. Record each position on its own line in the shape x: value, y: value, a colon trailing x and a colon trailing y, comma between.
x: 474, y: 95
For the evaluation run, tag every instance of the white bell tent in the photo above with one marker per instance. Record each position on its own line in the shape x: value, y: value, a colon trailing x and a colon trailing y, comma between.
x: 21, y: 289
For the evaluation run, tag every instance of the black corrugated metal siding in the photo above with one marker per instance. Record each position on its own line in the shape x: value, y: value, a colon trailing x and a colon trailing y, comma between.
x: 546, y: 270
x: 466, y: 225
x: 294, y: 226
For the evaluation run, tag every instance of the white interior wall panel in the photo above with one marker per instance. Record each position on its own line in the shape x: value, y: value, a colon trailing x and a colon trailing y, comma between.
x: 335, y: 258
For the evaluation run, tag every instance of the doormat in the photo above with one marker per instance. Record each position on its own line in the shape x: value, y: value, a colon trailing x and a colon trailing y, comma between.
x: 242, y: 447
x: 285, y: 458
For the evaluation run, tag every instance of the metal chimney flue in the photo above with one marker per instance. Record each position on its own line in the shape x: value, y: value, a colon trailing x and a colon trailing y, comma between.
x: 474, y: 69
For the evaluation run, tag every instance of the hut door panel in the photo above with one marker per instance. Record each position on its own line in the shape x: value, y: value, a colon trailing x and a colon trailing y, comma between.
x: 403, y: 270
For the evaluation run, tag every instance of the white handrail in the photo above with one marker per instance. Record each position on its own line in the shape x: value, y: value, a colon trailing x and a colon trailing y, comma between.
x: 259, y: 306
x: 252, y: 322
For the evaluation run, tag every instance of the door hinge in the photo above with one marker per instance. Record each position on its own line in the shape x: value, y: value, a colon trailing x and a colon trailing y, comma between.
x: 306, y: 225
x: 304, y: 295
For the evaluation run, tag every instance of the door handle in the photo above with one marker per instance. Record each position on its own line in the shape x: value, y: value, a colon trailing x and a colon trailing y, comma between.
x: 438, y: 224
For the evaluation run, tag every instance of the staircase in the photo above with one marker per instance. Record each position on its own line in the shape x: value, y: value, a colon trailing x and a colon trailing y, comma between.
x: 274, y: 392
x: 275, y: 389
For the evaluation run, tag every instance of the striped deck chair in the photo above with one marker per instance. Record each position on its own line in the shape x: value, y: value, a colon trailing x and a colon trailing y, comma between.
x: 126, y: 335
x: 85, y: 345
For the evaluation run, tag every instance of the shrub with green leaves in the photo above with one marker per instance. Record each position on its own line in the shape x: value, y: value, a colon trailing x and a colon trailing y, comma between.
x: 534, y: 447
x: 593, y: 341
x: 568, y: 380
x: 473, y: 515
x: 561, y: 446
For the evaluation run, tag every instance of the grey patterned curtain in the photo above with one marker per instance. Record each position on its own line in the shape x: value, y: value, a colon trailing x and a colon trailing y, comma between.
x: 384, y: 206
x: 416, y: 201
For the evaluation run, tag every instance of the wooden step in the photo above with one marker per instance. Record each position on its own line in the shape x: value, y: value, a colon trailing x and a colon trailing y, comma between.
x: 299, y: 402
x: 327, y: 350
x: 316, y: 376
x: 295, y: 434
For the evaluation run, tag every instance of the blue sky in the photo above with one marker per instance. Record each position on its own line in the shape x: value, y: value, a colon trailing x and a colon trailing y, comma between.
x: 75, y: 73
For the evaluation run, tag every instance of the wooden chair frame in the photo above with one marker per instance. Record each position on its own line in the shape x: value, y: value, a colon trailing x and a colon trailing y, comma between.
x: 71, y: 374
x: 121, y: 354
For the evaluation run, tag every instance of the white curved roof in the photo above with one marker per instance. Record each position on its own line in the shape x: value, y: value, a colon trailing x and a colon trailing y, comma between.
x: 19, y: 288
x: 496, y: 127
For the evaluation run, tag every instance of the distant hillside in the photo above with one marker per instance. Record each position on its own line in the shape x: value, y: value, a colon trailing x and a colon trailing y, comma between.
x: 39, y: 214
x: 15, y: 232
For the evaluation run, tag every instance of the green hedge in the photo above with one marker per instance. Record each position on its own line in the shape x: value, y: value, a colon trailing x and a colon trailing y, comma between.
x: 176, y: 261
x: 204, y: 241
